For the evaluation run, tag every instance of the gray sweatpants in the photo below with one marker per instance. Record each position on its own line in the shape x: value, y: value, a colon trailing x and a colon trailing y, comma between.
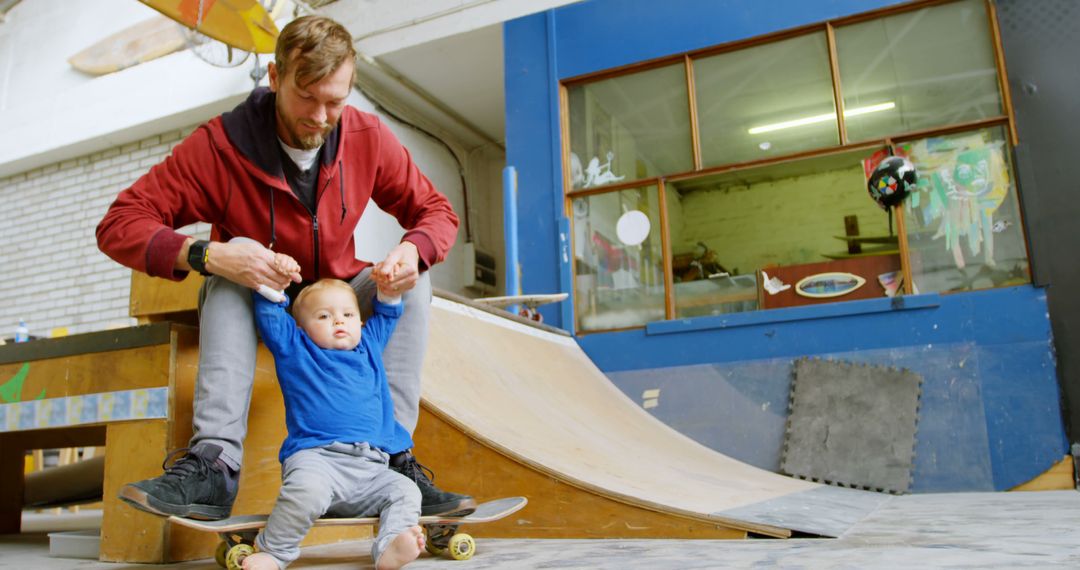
x: 338, y: 480
x: 227, y: 345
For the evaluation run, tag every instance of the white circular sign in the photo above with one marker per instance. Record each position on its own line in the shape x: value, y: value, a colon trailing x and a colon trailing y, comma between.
x: 633, y: 227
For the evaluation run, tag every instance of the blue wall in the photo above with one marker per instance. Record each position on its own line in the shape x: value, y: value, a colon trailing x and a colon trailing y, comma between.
x: 990, y: 416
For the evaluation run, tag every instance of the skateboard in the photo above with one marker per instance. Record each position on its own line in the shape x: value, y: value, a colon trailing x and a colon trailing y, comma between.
x: 238, y: 533
x: 528, y: 303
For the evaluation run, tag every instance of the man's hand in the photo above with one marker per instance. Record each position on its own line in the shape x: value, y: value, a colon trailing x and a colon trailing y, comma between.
x: 400, y: 270
x: 251, y: 264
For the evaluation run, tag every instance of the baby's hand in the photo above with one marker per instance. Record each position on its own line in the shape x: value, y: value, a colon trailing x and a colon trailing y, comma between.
x: 382, y: 281
x: 286, y: 265
x: 388, y: 291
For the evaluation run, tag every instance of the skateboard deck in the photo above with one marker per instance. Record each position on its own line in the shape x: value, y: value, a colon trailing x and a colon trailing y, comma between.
x: 485, y: 512
x: 528, y: 302
x: 238, y: 533
x: 531, y: 301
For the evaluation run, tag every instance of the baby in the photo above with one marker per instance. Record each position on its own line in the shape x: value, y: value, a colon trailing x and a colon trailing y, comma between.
x: 340, y: 419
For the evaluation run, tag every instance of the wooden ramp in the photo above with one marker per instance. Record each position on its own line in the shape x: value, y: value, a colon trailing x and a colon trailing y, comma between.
x: 511, y: 408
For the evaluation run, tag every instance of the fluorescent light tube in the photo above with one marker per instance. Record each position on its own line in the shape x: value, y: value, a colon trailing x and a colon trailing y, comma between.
x: 854, y: 112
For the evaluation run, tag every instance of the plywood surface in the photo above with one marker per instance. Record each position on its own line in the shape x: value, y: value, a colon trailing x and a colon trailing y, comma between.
x: 535, y: 398
x: 153, y: 298
x: 133, y: 368
x: 1060, y: 476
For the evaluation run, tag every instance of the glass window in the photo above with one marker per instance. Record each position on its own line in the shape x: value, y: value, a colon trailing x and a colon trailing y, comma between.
x: 798, y: 230
x: 789, y: 219
x: 918, y: 70
x: 963, y: 223
x: 618, y: 259
x: 765, y: 101
x: 630, y: 127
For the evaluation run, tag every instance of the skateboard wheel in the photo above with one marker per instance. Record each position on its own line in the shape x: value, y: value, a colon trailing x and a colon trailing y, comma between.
x: 462, y: 546
x: 220, y: 552
x: 234, y: 560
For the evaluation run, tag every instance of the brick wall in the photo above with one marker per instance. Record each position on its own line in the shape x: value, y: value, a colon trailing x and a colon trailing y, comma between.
x: 54, y: 275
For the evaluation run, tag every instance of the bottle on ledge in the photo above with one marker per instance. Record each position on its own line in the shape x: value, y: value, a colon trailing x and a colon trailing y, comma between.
x: 22, y: 334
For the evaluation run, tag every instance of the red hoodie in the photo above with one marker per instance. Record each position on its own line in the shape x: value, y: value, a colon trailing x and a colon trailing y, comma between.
x: 228, y: 173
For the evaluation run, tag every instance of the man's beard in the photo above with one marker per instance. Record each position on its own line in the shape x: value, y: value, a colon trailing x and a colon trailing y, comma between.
x: 307, y: 141
x: 314, y: 140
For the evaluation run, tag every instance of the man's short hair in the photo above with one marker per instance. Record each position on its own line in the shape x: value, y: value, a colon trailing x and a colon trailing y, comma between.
x: 315, y: 46
x: 320, y: 285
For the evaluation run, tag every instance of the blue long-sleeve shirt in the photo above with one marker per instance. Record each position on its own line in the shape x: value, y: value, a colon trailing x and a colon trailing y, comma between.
x: 333, y: 395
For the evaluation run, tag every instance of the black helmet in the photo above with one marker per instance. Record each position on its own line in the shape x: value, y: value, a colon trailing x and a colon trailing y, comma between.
x: 892, y: 180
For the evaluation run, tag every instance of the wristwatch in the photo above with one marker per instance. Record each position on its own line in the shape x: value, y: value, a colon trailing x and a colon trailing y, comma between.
x: 198, y: 255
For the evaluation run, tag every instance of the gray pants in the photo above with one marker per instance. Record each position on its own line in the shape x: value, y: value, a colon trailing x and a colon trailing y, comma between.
x: 338, y: 480
x: 227, y: 345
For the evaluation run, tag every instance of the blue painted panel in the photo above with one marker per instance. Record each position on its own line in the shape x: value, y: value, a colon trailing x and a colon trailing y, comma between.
x: 831, y: 310
x: 989, y: 417
x: 532, y: 133
x: 997, y: 316
x: 1022, y: 401
x: 599, y: 34
x: 738, y: 409
x: 951, y: 446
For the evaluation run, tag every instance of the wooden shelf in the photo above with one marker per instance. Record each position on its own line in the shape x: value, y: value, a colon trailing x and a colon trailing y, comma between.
x: 867, y: 253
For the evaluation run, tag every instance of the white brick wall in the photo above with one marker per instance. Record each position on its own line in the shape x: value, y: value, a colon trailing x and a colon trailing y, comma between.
x: 54, y: 275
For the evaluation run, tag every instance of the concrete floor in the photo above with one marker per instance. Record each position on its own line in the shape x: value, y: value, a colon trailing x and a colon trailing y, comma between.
x: 970, y: 530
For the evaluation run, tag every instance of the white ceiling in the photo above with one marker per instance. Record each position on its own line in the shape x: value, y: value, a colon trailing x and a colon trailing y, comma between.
x: 442, y: 59
x: 466, y: 71
x: 463, y: 72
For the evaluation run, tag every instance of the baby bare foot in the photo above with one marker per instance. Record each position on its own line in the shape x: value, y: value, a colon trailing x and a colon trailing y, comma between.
x: 402, y: 550
x: 260, y: 561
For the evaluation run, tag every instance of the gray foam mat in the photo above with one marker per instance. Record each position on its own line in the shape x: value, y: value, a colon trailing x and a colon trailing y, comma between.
x: 852, y: 425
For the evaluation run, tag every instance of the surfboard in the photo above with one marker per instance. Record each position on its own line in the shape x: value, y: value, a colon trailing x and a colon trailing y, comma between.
x: 832, y: 284
x: 139, y: 43
x: 242, y: 24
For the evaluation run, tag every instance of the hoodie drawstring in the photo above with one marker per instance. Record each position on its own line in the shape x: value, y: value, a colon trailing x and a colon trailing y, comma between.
x: 341, y: 189
x: 273, y: 234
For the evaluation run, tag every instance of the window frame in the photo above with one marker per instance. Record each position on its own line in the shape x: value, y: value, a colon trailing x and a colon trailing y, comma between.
x: 827, y: 27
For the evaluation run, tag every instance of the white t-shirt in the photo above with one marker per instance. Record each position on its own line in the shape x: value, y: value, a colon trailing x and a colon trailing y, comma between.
x: 303, y: 158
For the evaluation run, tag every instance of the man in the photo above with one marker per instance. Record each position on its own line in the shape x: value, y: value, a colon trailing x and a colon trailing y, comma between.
x: 293, y: 168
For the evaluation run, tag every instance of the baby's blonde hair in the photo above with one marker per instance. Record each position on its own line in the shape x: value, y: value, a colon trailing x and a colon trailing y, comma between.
x: 320, y: 285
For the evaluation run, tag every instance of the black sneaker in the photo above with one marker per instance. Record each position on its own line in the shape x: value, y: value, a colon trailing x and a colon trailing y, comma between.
x: 433, y: 500
x: 198, y: 486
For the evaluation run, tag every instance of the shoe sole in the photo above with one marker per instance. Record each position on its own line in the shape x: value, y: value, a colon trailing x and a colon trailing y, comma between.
x: 145, y: 502
x: 457, y: 508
